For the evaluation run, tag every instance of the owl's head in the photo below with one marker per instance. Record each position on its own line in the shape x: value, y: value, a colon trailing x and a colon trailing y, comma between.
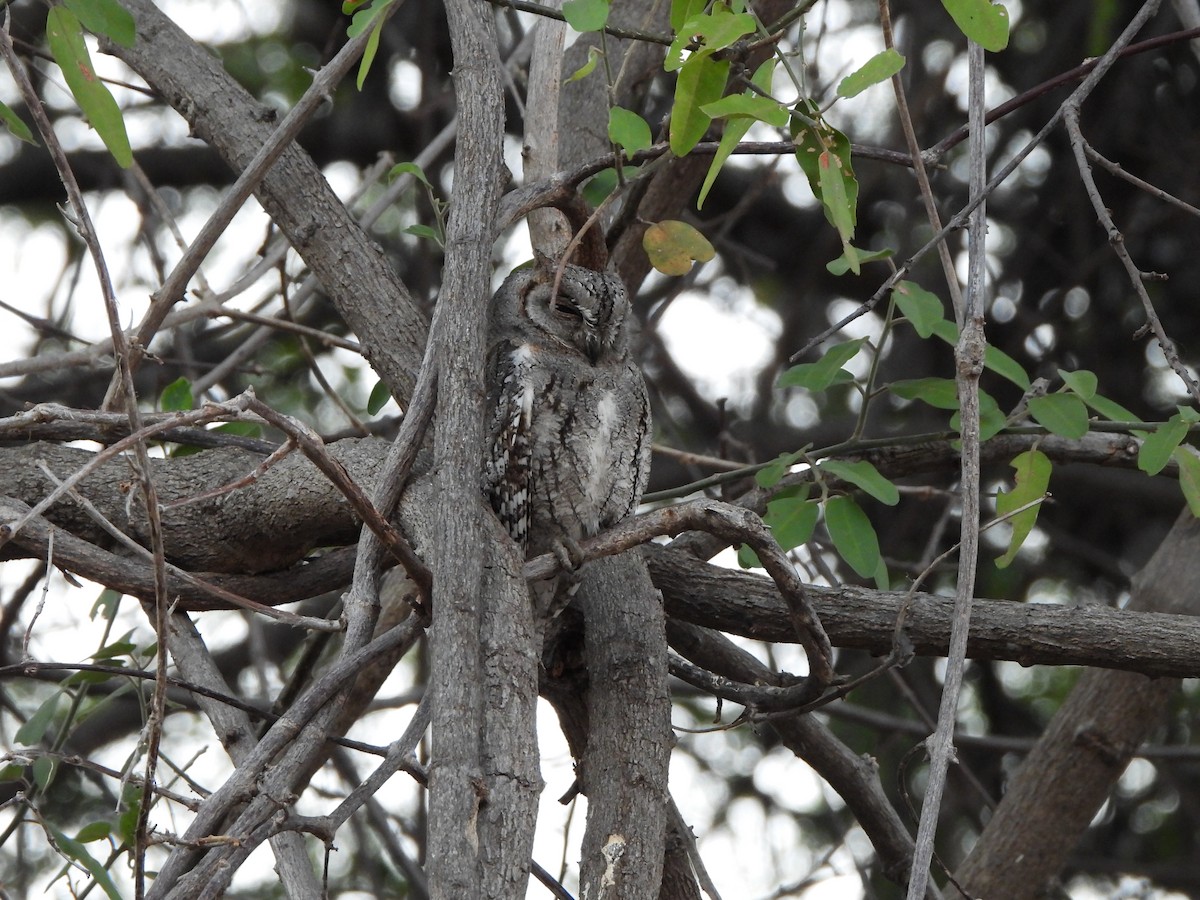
x: 585, y: 315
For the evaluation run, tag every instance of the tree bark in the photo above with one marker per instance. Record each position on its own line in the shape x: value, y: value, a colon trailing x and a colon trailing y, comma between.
x: 624, y: 771
x: 483, y: 779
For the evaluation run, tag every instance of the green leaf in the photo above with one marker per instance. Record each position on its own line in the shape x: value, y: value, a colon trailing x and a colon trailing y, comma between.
x: 820, y: 375
x: 747, y: 558
x: 864, y: 475
x: 1062, y: 414
x: 879, y: 67
x: 735, y: 130
x: 771, y: 474
x: 921, y: 308
x: 120, y: 647
x: 19, y: 129
x: 984, y: 23
x: 368, y: 17
x: 752, y: 106
x: 1033, y: 477
x: 1160, y: 444
x: 12, y: 772
x: 1189, y: 477
x: 408, y: 168
x: 700, y: 82
x: 594, y: 54
x: 35, y: 727
x: 380, y: 395
x: 823, y: 153
x: 883, y: 581
x: 131, y: 800
x: 602, y: 184
x: 425, y: 232
x: 720, y: 29
x: 992, y: 419
x: 94, y: 831
x: 177, y: 396
x: 44, y: 769
x: 79, y: 853
x: 683, y: 10
x: 835, y: 194
x: 941, y: 393
x: 65, y: 36
x: 996, y: 360
x: 792, y: 520
x: 1110, y: 409
x: 628, y: 130
x: 842, y: 264
x: 106, y: 17
x: 1082, y: 382
x: 712, y: 31
x: 672, y: 246
x: 853, y: 535
x: 586, y: 15
x: 106, y: 604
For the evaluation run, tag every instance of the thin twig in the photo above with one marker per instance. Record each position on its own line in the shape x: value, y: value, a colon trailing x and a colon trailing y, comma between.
x: 914, y: 151
x: 969, y: 365
x: 1117, y: 241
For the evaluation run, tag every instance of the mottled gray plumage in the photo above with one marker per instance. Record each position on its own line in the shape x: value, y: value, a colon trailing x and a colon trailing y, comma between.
x: 570, y: 422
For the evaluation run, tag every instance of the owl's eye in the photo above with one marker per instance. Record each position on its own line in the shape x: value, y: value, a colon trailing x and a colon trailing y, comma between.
x: 565, y: 307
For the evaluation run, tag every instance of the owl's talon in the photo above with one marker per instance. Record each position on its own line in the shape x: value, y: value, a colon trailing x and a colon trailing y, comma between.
x: 569, y: 555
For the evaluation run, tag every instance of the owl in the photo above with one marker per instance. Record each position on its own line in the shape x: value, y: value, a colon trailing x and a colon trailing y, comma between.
x: 569, y: 431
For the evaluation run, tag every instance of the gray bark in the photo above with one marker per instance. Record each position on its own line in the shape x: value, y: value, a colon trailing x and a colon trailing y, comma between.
x: 484, y: 780
x: 624, y: 771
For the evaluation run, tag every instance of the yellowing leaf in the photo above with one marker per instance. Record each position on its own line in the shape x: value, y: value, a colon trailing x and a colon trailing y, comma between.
x: 672, y: 247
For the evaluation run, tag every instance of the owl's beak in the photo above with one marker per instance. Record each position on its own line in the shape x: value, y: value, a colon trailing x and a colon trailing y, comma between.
x: 593, y: 346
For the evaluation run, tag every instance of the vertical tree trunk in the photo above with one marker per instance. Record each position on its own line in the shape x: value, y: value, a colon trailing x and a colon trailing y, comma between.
x: 483, y: 783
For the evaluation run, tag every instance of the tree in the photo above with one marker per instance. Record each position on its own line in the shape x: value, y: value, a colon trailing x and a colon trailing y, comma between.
x: 954, y: 339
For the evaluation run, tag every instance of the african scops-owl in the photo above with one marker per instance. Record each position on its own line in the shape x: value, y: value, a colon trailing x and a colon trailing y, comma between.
x: 569, y: 431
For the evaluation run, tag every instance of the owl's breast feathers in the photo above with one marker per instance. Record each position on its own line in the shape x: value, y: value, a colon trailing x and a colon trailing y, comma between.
x: 570, y: 443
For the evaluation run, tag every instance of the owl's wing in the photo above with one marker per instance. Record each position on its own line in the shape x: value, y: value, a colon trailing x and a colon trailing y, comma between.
x: 509, y: 460
x: 639, y: 421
